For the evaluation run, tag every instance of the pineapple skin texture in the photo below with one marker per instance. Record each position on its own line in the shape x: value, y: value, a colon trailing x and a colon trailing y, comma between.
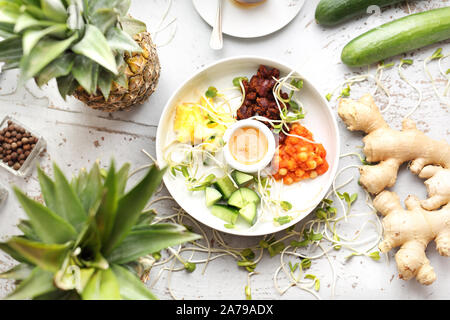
x: 142, y: 71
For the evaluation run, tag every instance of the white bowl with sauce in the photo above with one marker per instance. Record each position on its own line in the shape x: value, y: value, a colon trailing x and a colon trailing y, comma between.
x: 249, y: 146
x: 320, y: 120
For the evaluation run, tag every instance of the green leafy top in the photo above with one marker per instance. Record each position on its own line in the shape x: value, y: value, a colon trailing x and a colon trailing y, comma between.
x: 78, y: 42
x: 82, y: 241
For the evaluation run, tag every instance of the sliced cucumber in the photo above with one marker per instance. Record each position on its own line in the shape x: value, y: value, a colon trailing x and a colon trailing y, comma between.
x: 243, y: 196
x: 225, y: 186
x: 242, y: 179
x: 226, y: 213
x: 212, y: 196
x: 248, y: 213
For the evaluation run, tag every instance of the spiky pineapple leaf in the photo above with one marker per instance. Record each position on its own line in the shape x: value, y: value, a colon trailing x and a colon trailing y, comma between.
x: 19, y: 272
x: 11, y: 49
x: 69, y: 204
x: 131, y: 288
x: 105, y: 83
x: 47, y: 225
x: 145, y: 218
x: 75, y: 20
x: 13, y: 253
x: 149, y: 239
x: 9, y: 12
x: 66, y: 85
x: 59, y: 67
x: 132, y: 26
x: 25, y: 21
x: 35, y: 11
x: 107, y: 212
x: 122, y: 178
x: 86, y: 73
x: 130, y: 207
x: 93, y: 189
x: 121, y: 41
x: 103, y: 285
x: 122, y: 6
x: 48, y: 257
x: 27, y: 229
x: 42, y: 54
x: 32, y: 37
x: 58, y: 295
x: 6, y: 30
x: 95, y: 47
x: 54, y: 10
x: 39, y: 282
x: 104, y: 19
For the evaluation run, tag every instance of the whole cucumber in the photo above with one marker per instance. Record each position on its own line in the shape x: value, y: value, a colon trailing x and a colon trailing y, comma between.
x: 397, y: 37
x: 333, y: 12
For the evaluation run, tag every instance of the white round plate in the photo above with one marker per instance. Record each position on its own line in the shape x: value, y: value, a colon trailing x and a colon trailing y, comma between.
x: 319, y: 119
x: 253, y: 22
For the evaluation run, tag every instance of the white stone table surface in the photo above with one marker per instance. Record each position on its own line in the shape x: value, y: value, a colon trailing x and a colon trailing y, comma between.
x: 77, y: 136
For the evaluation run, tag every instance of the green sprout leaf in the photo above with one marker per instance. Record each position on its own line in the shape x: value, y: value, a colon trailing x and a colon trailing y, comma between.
x: 437, y: 54
x: 406, y: 61
x: 286, y: 205
x: 298, y: 83
x: 211, y: 92
x: 306, y: 263
x: 346, y: 92
x: 375, y: 255
x: 237, y: 81
x: 275, y: 248
x: 190, y: 267
x: 248, y: 293
x: 329, y: 96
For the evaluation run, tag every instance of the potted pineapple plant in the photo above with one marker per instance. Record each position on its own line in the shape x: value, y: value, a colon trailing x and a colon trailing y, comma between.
x: 93, y: 48
x: 86, y: 240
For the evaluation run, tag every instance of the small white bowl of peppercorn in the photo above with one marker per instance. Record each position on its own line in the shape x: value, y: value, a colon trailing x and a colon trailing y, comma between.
x: 19, y: 146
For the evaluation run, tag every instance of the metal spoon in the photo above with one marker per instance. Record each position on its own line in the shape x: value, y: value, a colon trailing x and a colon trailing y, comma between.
x: 216, y: 41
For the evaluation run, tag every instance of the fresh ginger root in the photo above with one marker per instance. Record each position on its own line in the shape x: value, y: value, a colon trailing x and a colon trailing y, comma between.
x: 414, y: 228
x: 389, y: 147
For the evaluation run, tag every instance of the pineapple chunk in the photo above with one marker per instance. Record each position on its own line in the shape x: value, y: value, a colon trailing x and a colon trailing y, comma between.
x: 193, y: 125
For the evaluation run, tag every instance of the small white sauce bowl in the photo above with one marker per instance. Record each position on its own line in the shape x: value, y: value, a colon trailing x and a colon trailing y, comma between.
x: 271, y: 146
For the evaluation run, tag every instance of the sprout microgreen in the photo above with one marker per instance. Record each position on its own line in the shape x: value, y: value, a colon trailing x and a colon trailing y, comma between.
x: 348, y: 198
x: 275, y: 249
x: 345, y: 92
x: 297, y: 244
x: 190, y: 267
x: 283, y: 220
x: 248, y: 254
x: 329, y: 96
x: 298, y: 83
x: 437, y: 54
x: 248, y: 293
x: 286, y: 205
x: 306, y: 263
x: 211, y: 92
x: 237, y: 81
x: 156, y: 256
x: 316, y: 281
x: 321, y: 214
x: 294, y: 267
x: 375, y: 255
x: 406, y: 61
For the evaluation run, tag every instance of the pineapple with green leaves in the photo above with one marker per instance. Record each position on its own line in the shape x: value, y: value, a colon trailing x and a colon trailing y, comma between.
x: 86, y: 241
x: 93, y: 48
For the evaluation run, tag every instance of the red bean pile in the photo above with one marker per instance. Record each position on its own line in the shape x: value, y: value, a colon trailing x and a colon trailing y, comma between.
x: 16, y: 145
